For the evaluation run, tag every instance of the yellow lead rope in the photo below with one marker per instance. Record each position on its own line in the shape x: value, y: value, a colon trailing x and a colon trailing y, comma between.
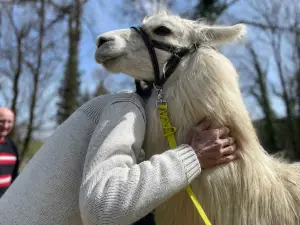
x: 169, y: 134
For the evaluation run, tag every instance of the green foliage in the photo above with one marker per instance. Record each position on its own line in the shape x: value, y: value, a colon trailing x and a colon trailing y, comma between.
x: 69, y: 91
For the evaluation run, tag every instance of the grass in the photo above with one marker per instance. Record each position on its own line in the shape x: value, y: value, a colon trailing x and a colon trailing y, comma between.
x: 34, y: 146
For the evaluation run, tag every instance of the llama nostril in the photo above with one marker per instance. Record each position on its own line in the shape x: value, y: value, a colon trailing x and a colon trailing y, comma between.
x: 102, y: 40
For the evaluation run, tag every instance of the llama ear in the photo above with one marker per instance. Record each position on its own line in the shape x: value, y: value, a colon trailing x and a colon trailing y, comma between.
x: 218, y: 35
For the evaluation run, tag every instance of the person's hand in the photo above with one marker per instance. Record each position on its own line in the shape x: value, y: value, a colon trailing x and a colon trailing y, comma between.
x: 212, y: 146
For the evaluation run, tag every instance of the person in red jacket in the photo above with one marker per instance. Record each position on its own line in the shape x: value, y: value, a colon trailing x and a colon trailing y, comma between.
x: 9, y: 160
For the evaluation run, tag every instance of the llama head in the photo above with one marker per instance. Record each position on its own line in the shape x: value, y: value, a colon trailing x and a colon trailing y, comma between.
x: 124, y: 51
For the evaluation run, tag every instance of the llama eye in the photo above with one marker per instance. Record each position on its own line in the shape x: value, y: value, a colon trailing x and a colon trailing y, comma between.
x: 162, y: 31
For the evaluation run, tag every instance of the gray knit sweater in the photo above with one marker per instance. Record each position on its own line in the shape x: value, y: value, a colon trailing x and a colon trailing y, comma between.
x: 88, y: 171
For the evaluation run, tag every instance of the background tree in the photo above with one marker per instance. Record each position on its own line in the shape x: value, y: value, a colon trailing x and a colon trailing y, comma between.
x: 275, y: 25
x: 45, y: 44
x: 12, y: 52
x: 211, y: 10
x: 259, y: 89
x: 101, y: 89
x: 36, y: 71
x: 69, y: 90
x: 25, y: 48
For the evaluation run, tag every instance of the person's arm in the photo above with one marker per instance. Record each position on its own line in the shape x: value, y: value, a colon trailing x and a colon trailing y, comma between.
x: 116, y: 190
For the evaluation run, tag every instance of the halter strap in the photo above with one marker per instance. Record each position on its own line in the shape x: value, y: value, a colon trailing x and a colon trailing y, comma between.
x: 177, y: 54
x: 151, y: 51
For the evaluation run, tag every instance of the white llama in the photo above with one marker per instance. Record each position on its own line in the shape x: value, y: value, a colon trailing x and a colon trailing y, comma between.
x: 257, y: 189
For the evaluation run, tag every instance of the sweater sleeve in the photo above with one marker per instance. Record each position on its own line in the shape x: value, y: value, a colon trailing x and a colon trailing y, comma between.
x: 117, y: 190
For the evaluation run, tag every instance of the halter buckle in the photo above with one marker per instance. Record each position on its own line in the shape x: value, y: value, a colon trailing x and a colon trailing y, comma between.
x: 160, y: 95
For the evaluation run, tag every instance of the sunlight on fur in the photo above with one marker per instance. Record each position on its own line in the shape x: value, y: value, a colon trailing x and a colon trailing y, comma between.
x: 257, y: 189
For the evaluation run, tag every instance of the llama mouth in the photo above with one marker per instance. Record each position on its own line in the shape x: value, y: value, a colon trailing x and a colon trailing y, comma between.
x: 110, y: 63
x: 106, y: 59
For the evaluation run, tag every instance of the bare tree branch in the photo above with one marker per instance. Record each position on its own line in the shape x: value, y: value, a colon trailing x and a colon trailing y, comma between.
x: 266, y: 26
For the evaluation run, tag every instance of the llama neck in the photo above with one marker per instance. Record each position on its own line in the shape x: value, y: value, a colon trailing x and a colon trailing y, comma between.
x: 199, y: 89
x: 208, y: 88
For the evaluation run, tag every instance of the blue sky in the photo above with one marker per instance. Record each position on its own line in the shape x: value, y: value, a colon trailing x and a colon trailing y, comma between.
x: 98, y: 19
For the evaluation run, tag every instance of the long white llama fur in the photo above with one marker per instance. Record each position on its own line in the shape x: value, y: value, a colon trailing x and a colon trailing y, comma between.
x: 257, y: 189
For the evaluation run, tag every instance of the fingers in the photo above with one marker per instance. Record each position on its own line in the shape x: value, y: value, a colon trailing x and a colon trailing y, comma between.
x: 227, y: 159
x: 217, y: 152
x: 226, y: 141
x: 220, y: 132
x: 220, y: 148
x: 204, y: 124
x: 228, y: 150
x: 223, y: 131
x: 209, y: 163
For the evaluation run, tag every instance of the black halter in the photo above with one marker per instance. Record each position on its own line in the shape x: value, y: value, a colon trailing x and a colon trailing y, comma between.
x: 169, y: 67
